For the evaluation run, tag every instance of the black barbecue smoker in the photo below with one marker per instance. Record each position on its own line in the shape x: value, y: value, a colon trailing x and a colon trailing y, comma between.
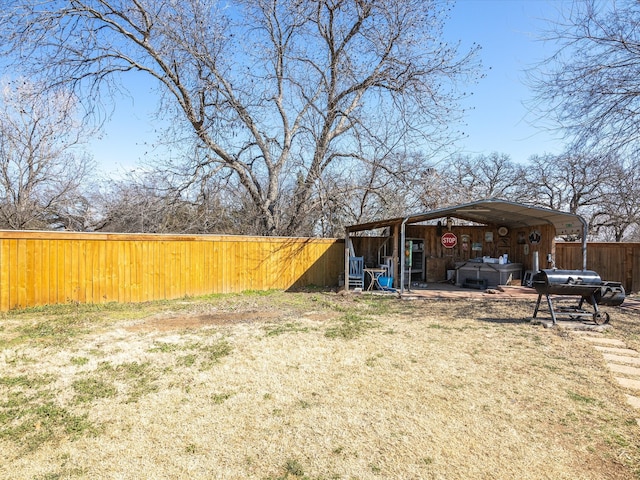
x: 586, y: 285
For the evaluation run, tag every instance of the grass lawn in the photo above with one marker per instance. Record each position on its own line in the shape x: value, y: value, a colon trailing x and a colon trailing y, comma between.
x: 310, y: 385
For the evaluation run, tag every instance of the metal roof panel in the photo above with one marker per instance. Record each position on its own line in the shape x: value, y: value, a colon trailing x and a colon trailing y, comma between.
x: 491, y: 211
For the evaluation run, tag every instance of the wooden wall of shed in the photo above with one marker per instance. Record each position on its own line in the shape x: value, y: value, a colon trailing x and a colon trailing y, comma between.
x: 368, y: 247
x: 516, y: 244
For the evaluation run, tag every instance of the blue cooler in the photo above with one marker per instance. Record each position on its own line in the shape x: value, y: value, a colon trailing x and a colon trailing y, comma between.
x: 385, y: 283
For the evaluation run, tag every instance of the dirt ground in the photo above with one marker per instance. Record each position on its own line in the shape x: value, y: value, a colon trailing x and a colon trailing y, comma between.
x: 310, y: 385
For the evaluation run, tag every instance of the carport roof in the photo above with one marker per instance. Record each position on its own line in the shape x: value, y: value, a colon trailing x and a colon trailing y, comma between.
x: 491, y: 212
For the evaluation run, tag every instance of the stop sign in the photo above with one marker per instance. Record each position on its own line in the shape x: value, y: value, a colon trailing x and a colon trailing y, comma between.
x: 449, y: 240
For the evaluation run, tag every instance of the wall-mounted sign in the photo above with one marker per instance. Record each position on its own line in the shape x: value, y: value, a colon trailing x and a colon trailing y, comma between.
x: 476, y: 247
x: 449, y: 240
x: 488, y: 237
x: 535, y: 237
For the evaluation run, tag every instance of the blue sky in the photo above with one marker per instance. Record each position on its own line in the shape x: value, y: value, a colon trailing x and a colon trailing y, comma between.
x: 509, y: 32
x: 496, y: 119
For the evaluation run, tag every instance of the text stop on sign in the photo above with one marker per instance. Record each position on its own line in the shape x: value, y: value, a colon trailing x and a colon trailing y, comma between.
x: 449, y: 240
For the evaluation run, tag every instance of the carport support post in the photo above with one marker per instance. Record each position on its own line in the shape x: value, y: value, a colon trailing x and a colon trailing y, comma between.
x: 402, y: 254
x: 396, y: 233
x: 346, y: 261
x: 585, y: 231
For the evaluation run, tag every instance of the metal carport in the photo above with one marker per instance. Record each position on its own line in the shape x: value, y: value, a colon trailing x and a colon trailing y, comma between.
x: 489, y: 211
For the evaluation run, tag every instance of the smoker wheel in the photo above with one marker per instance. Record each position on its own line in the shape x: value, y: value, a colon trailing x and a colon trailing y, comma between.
x: 601, y: 318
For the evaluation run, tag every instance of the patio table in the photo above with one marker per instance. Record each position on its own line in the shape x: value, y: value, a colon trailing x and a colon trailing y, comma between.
x: 374, y: 274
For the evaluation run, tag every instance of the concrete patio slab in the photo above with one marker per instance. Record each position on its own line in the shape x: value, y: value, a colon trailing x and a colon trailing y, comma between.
x: 605, y: 341
x: 624, y: 369
x: 633, y: 401
x: 628, y: 383
x: 621, y: 359
x: 617, y: 351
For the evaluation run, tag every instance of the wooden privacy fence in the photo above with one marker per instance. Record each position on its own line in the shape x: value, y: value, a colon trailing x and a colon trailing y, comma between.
x: 618, y: 262
x: 40, y: 268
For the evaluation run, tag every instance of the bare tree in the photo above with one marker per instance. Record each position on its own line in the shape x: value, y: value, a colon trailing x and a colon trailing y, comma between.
x: 467, y: 178
x: 274, y: 91
x: 41, y: 167
x: 570, y: 182
x: 150, y: 202
x: 389, y: 187
x: 591, y: 85
x: 633, y: 234
x: 616, y: 217
x: 567, y: 182
x: 591, y: 88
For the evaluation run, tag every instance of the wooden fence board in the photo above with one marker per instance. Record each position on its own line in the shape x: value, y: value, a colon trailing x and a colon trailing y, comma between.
x: 31, y: 255
x: 12, y: 267
x: 4, y: 272
x: 73, y: 270
x: 617, y: 262
x: 635, y: 268
x: 38, y: 268
x: 63, y: 271
x: 22, y: 273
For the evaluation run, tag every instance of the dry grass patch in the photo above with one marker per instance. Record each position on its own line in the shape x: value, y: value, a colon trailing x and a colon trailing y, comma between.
x: 627, y: 329
x: 314, y: 386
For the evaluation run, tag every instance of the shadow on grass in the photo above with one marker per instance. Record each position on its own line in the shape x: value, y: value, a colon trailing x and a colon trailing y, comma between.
x: 505, y: 321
